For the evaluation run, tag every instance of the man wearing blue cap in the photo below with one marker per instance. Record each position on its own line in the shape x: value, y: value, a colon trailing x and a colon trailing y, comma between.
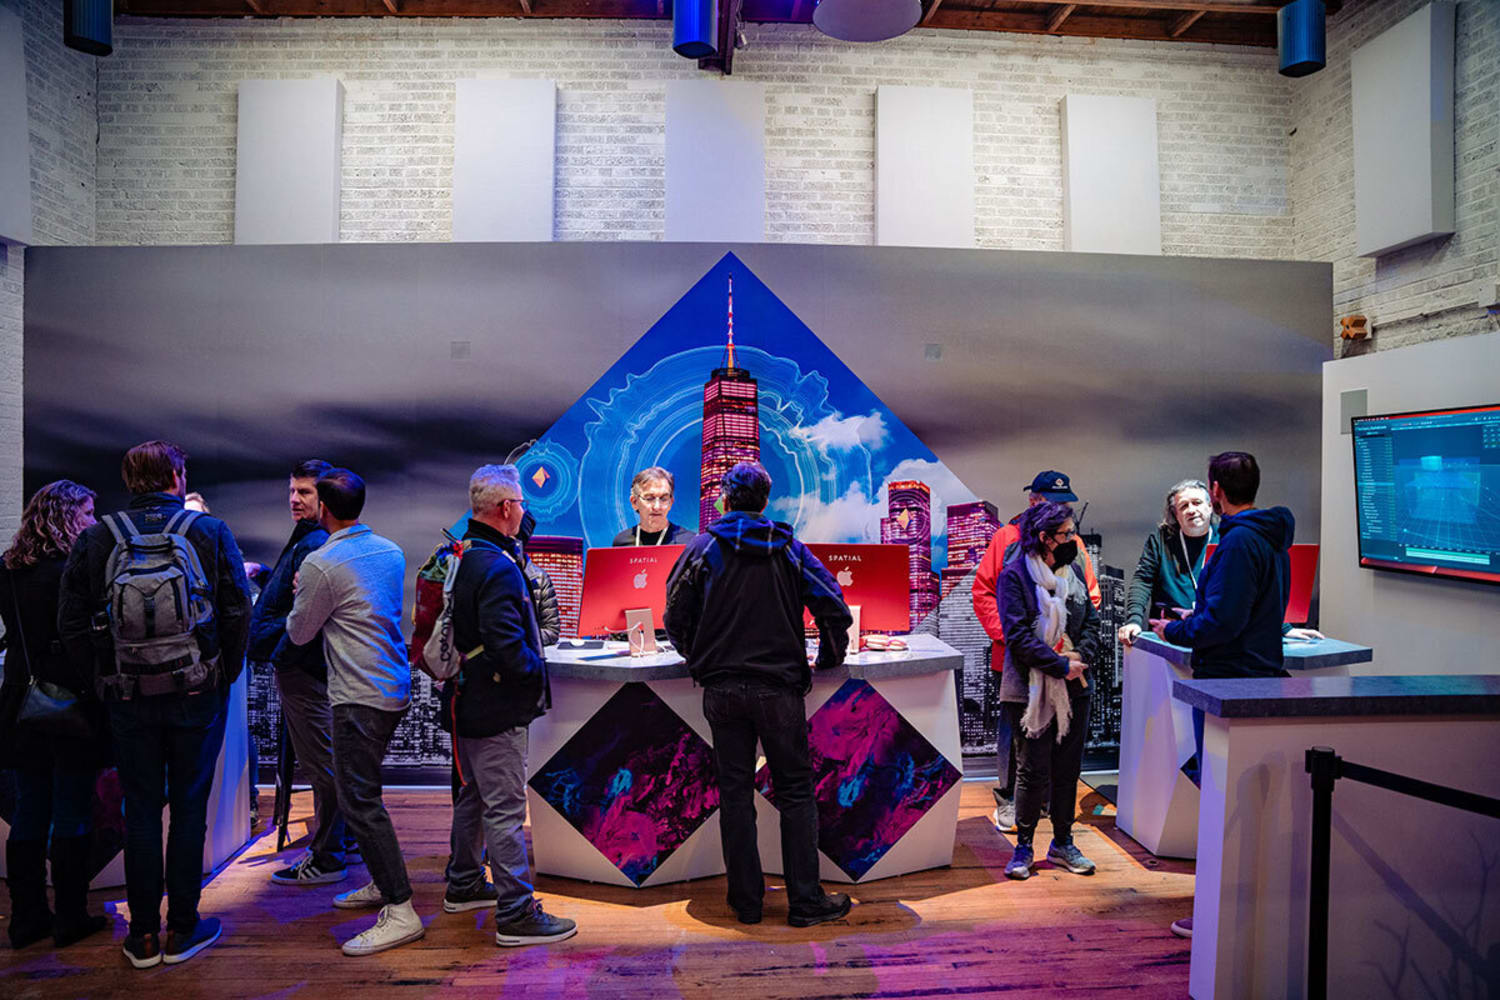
x: 1048, y: 485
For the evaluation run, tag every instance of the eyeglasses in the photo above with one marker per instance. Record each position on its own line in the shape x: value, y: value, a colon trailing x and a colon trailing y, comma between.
x: 1063, y: 536
x: 515, y: 500
x: 655, y: 499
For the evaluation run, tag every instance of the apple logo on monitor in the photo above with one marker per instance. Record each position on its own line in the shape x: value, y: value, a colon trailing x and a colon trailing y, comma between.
x: 640, y: 580
x: 845, y: 578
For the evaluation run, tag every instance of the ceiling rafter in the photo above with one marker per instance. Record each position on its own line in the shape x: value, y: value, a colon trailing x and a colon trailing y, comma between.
x: 1058, y: 16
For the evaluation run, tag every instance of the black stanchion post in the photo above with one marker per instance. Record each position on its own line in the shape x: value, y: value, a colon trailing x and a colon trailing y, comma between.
x: 1323, y: 765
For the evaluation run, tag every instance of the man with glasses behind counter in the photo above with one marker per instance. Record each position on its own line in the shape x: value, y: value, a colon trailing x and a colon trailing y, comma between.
x: 651, y: 494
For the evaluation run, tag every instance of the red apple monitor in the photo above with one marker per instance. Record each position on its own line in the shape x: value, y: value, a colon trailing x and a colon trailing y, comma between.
x: 617, y: 580
x: 876, y: 577
x: 1304, y: 572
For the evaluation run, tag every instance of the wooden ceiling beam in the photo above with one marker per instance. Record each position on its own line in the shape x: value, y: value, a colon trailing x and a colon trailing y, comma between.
x: 1183, y: 22
x: 526, y: 7
x: 1058, y: 16
x: 932, y: 8
x: 390, y: 5
x: 1266, y: 7
x: 1257, y: 33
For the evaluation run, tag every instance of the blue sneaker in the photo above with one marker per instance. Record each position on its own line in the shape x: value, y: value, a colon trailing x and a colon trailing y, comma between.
x: 183, y: 946
x: 1020, y: 863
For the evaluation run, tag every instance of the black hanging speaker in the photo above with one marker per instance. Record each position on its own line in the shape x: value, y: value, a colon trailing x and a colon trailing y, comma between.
x: 88, y: 26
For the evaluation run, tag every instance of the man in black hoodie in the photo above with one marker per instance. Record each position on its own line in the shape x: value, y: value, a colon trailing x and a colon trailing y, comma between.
x: 1236, y: 626
x: 734, y: 611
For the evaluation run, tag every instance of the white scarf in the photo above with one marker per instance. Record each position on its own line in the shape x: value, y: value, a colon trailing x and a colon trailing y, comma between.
x: 1047, y: 697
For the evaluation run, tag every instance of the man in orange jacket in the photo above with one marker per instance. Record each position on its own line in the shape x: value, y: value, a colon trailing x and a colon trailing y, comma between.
x: 1048, y: 485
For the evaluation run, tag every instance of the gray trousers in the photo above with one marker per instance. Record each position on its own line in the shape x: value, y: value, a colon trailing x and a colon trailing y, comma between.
x: 309, y: 720
x: 489, y: 813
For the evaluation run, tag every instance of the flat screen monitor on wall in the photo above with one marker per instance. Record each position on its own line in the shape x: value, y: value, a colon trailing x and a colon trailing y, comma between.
x: 1427, y: 492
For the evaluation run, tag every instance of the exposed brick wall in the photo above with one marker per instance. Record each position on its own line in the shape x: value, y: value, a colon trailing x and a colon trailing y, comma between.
x: 63, y: 125
x: 1424, y: 292
x: 167, y: 125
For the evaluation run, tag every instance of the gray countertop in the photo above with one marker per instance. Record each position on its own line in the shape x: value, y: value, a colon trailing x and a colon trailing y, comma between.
x: 928, y: 655
x: 1296, y: 654
x: 1291, y: 697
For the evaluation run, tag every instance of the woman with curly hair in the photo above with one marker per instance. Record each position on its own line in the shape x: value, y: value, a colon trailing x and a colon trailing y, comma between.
x: 54, y: 778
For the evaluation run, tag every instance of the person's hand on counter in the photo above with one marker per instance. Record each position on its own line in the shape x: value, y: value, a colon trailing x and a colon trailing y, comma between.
x: 1128, y: 632
x: 1307, y: 634
x: 1159, y: 626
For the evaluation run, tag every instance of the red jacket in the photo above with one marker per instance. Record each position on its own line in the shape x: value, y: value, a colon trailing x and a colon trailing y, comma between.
x: 987, y: 609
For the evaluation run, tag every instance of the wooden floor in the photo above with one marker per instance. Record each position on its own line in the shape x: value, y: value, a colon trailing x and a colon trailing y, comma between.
x: 961, y: 931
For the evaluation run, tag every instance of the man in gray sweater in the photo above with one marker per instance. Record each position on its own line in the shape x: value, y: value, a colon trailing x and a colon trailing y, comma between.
x: 350, y: 590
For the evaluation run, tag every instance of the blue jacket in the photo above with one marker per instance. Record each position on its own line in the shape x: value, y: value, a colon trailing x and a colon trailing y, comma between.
x: 1235, y: 630
x: 735, y: 600
x: 268, y: 620
x: 506, y: 685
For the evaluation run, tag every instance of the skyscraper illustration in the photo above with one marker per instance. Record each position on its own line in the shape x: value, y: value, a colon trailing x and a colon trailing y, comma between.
x: 910, y: 523
x: 970, y: 527
x: 731, y: 424
x: 562, y: 559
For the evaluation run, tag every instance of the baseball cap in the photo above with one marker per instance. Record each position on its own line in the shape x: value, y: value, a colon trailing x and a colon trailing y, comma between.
x: 1053, y: 485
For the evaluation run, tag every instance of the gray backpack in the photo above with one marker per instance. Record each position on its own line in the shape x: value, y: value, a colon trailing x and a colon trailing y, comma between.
x: 157, y: 596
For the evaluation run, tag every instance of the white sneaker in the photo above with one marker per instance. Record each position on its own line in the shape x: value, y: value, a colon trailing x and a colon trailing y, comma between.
x: 397, y: 924
x: 1004, y: 817
x: 363, y: 898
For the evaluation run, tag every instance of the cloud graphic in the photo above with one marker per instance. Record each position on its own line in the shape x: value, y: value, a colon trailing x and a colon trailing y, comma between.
x: 852, y: 517
x: 945, y: 486
x: 837, y: 432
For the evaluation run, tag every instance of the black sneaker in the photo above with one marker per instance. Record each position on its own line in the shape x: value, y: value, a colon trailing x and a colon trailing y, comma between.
x: 477, y: 898
x: 142, y: 950
x: 307, y: 872
x: 833, y: 906
x: 532, y: 926
x: 747, y: 916
x: 183, y: 946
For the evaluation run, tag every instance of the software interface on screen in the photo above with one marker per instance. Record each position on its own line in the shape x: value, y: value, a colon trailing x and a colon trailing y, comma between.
x: 1427, y: 489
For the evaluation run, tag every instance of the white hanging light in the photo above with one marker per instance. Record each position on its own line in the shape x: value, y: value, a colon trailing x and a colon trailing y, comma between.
x: 866, y: 20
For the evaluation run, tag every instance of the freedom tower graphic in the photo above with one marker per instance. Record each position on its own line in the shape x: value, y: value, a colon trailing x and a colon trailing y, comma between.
x: 731, y: 425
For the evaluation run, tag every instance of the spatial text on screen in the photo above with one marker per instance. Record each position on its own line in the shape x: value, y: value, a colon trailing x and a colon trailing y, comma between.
x: 1427, y: 492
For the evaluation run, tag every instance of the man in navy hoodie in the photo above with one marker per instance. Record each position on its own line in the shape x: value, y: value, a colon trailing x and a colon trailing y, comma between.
x: 734, y: 611
x: 1236, y: 626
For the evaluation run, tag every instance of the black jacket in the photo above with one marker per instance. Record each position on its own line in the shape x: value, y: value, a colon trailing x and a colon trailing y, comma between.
x: 268, y: 620
x: 1241, y: 601
x: 676, y: 535
x: 735, y: 600
x: 33, y: 649
x: 506, y: 685
x: 1163, y: 576
x: 1024, y: 649
x: 84, y: 588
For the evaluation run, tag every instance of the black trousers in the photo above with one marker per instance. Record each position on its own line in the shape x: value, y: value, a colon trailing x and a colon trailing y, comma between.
x: 739, y: 713
x: 1045, y: 767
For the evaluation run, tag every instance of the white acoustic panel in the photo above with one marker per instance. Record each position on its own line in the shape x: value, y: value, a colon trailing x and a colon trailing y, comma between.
x: 504, y: 145
x: 716, y: 161
x: 1111, y: 175
x: 924, y: 167
x: 15, y: 137
x: 1402, y: 83
x: 286, y: 187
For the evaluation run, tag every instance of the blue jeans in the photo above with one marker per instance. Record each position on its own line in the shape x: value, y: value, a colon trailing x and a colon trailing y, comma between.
x: 167, y: 746
x: 53, y: 799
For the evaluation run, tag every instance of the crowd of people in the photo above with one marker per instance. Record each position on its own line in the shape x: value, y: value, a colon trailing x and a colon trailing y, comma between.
x: 126, y: 631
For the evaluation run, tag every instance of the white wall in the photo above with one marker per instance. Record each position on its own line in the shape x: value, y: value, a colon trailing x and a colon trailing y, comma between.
x: 1415, y: 625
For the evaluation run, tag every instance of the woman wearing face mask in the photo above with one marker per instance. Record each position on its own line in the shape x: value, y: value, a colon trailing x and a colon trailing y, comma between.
x: 1052, y: 637
x: 1167, y: 575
